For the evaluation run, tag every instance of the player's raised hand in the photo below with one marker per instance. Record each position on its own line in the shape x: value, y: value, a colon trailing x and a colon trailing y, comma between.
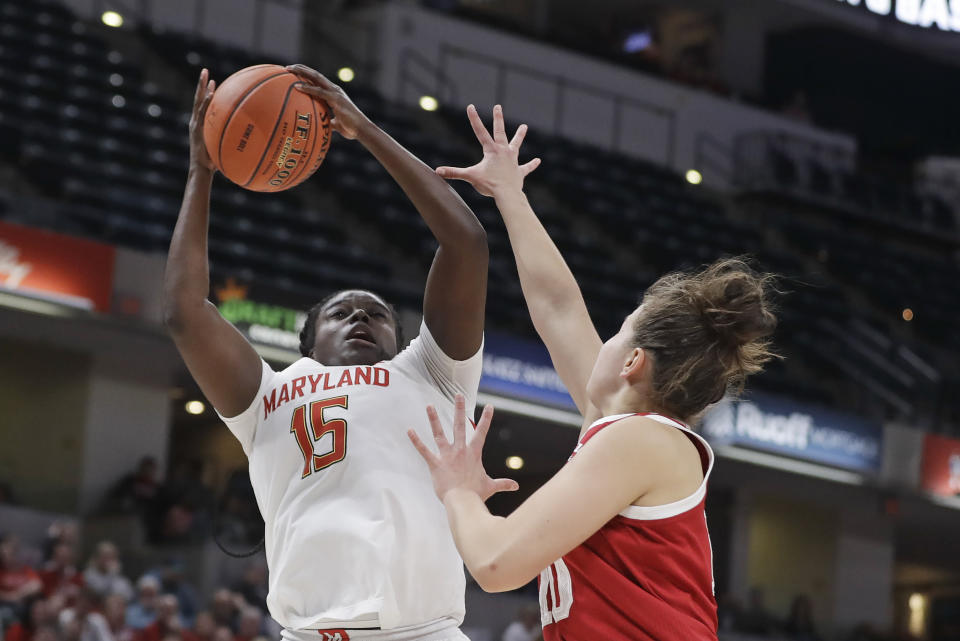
x: 500, y: 169
x: 459, y: 464
x: 201, y: 100
x: 347, y: 117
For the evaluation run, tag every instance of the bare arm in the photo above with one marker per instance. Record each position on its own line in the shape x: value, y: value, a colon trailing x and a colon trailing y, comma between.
x: 621, y: 463
x: 556, y: 305
x: 224, y: 364
x: 455, y: 295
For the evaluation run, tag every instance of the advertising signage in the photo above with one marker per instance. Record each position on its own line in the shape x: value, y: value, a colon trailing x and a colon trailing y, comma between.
x: 261, y: 323
x: 522, y: 369
x: 930, y: 14
x: 940, y: 473
x: 66, y: 270
x: 814, y: 434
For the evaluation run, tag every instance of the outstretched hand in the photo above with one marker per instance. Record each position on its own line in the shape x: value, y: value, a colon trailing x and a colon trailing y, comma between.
x: 347, y: 117
x: 499, y: 171
x: 199, y: 157
x: 458, y: 464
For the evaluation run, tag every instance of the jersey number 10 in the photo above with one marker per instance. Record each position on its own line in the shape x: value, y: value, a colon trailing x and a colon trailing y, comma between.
x: 556, y: 593
x: 319, y: 426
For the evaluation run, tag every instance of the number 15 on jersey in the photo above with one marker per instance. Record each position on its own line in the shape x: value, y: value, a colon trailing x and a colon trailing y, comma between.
x: 319, y: 426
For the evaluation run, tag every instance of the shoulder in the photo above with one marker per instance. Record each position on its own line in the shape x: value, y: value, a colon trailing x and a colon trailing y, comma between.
x: 640, y: 438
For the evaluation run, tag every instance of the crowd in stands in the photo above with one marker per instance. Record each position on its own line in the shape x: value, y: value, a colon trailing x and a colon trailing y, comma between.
x: 183, y: 509
x: 52, y: 599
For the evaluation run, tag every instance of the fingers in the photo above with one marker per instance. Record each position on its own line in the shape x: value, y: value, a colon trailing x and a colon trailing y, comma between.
x: 202, y: 111
x: 315, y: 90
x: 505, y: 485
x: 437, y: 427
x: 314, y: 76
x: 454, y: 173
x: 425, y: 452
x: 478, y: 129
x: 527, y: 168
x: 499, y: 131
x: 518, y: 137
x: 483, y: 426
x: 459, y: 421
x: 201, y: 83
x: 306, y: 72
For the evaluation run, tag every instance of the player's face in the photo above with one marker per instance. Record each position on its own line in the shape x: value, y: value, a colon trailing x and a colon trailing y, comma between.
x: 605, y: 378
x: 355, y: 328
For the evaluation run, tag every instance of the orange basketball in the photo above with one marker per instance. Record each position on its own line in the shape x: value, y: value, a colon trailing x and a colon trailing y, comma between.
x: 262, y: 133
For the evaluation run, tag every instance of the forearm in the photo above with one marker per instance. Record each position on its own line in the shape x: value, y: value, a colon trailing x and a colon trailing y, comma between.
x: 450, y: 219
x: 481, y: 538
x: 548, y: 284
x: 187, y: 274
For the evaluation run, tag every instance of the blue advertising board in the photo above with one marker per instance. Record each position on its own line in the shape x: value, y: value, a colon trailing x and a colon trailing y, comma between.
x: 810, y: 433
x: 522, y: 369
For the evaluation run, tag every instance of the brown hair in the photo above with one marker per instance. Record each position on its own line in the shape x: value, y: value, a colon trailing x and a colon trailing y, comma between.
x: 706, y: 332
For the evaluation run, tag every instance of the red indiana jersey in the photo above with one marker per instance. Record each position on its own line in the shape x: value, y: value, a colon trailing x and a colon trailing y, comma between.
x: 647, y: 575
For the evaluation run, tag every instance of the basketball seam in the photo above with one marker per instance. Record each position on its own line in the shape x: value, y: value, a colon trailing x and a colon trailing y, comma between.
x: 276, y: 126
x: 233, y: 111
x: 313, y: 105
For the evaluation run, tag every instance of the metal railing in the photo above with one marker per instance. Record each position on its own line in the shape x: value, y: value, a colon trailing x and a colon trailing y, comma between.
x: 425, y: 75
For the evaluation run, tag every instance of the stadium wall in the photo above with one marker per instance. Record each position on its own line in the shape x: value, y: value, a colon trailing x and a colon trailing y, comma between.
x: 566, y: 93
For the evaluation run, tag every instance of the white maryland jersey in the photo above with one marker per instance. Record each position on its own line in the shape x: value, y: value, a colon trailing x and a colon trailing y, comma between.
x: 355, y: 535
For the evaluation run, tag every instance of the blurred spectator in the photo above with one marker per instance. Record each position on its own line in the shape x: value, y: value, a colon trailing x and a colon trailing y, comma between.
x: 223, y: 633
x: 103, y: 574
x: 143, y: 611
x: 239, y: 521
x: 224, y: 608
x: 60, y: 570
x: 137, y: 492
x: 59, y: 532
x: 42, y: 614
x: 253, y: 585
x: 756, y: 619
x: 526, y: 626
x: 799, y: 625
x: 186, y: 503
x: 83, y: 622
x: 172, y: 581
x: 204, y: 626
x: 168, y: 623
x: 18, y: 582
x: 114, y: 609
x: 251, y: 624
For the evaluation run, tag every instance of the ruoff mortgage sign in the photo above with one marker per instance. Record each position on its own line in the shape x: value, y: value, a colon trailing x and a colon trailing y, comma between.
x: 931, y: 14
x: 779, y: 426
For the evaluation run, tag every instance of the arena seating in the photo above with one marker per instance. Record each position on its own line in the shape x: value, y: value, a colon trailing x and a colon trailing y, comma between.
x: 82, y: 124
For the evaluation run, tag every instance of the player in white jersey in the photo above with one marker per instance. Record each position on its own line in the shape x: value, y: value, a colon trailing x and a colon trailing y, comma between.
x: 356, y: 541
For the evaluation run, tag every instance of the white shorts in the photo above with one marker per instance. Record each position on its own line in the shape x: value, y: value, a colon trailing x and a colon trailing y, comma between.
x: 443, y: 630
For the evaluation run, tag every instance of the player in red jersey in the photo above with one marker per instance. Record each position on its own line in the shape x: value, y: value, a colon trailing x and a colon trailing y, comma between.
x: 619, y: 536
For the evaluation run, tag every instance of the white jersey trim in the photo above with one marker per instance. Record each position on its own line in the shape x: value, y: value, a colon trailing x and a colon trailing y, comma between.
x: 668, y: 510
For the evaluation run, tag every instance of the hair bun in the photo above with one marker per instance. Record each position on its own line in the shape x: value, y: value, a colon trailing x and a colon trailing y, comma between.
x: 733, y: 304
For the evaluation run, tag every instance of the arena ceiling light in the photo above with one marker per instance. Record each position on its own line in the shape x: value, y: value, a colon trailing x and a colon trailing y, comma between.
x: 345, y: 74
x: 694, y: 177
x: 514, y: 462
x: 429, y: 103
x: 112, y: 19
x: 195, y: 407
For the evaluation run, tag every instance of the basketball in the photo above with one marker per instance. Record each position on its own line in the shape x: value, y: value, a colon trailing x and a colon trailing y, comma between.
x: 263, y: 134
